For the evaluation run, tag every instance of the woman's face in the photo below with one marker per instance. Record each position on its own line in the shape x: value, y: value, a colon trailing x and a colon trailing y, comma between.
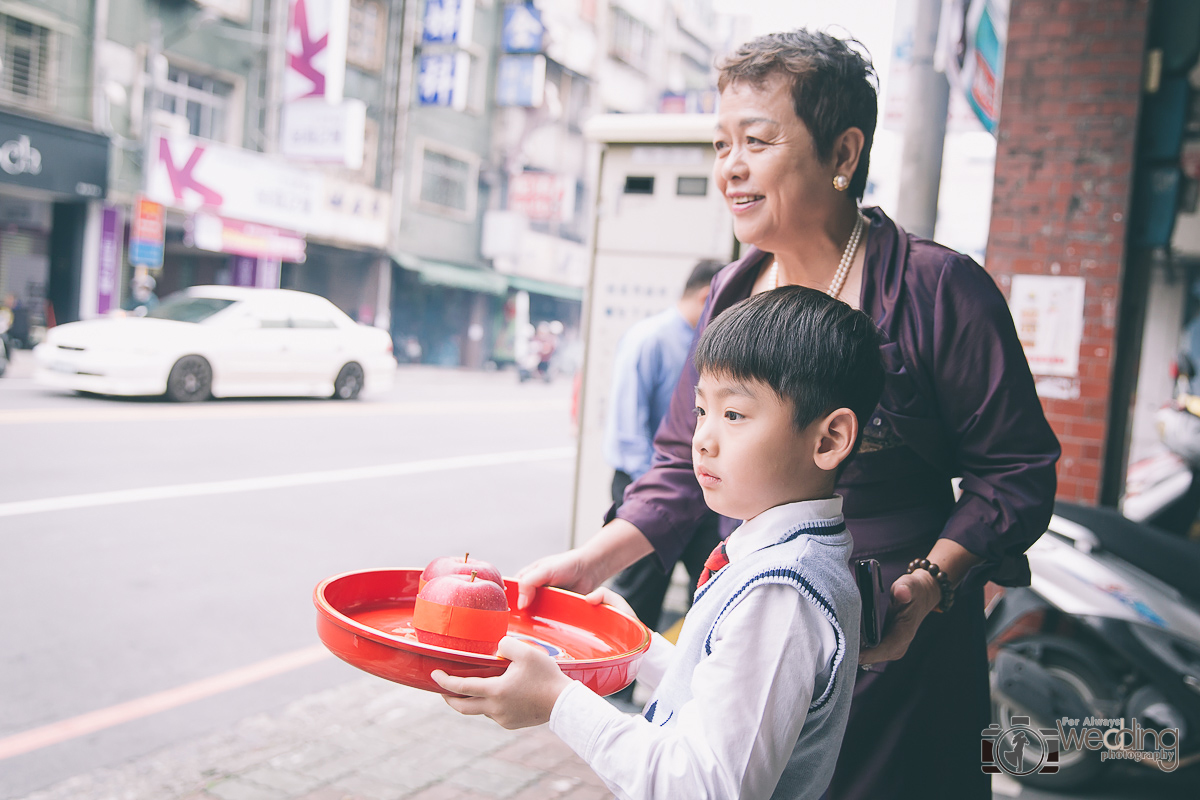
x: 767, y: 166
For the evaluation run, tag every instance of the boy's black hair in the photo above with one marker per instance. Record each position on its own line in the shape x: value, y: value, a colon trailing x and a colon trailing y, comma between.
x: 810, y: 349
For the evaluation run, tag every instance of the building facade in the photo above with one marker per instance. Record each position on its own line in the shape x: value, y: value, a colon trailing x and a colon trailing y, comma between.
x: 421, y: 163
x: 1095, y: 233
x: 54, y: 169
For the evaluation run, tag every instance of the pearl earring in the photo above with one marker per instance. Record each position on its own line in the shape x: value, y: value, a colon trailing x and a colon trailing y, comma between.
x: 841, y: 182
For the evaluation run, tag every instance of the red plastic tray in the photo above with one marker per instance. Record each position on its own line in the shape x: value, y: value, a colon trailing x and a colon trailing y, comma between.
x: 365, y: 619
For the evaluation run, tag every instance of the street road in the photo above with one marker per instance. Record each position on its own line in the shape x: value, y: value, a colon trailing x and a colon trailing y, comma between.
x: 157, y: 560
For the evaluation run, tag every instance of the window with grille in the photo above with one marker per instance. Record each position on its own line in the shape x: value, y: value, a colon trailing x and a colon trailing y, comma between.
x: 447, y: 181
x: 25, y: 71
x: 202, y: 99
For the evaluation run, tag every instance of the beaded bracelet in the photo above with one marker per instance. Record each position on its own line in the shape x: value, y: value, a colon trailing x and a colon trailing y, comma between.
x: 943, y: 581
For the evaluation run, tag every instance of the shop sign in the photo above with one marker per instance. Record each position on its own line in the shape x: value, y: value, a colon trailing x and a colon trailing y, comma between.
x: 523, y: 29
x: 521, y: 81
x: 312, y: 129
x: 109, y: 266
x: 442, y: 79
x: 191, y: 174
x: 316, y: 49
x: 217, y: 235
x: 542, y: 196
x: 1048, y: 312
x: 39, y: 155
x: 354, y: 213
x: 448, y: 22
x: 970, y: 50
x: 147, y: 234
x: 196, y: 175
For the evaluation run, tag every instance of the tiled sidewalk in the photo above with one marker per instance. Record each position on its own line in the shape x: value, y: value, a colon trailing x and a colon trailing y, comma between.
x: 366, y: 740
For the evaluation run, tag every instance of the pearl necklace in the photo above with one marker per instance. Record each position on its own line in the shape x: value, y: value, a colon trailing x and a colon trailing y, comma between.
x: 843, y: 270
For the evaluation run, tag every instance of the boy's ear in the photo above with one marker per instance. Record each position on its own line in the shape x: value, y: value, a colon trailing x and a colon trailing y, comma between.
x: 836, y: 435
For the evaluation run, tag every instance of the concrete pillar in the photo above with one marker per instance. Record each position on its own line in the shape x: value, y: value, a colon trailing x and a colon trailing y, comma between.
x: 924, y: 128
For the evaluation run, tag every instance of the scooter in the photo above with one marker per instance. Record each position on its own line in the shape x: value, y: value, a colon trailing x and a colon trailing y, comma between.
x: 1099, y: 658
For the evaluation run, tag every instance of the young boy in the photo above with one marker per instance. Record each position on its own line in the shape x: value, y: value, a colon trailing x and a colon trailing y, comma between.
x: 753, y: 701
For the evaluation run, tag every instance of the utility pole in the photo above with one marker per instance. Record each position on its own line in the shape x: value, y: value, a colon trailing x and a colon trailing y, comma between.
x: 924, y: 127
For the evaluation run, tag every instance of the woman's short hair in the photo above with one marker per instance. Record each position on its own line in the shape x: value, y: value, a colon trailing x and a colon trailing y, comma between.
x: 810, y: 349
x: 834, y: 86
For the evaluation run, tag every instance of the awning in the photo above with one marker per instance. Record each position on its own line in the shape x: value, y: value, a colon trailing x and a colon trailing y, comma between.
x: 545, y: 287
x: 477, y: 279
x: 458, y: 276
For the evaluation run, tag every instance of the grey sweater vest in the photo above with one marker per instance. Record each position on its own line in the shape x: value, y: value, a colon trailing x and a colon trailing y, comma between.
x: 813, y: 558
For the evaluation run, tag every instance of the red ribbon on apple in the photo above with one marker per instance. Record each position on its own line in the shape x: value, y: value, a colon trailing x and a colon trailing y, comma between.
x: 461, y: 612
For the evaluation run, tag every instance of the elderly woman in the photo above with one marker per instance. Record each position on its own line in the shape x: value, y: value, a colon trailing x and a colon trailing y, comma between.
x: 793, y: 140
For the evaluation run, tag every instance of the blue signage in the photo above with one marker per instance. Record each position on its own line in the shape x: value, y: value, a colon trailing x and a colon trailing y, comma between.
x: 435, y: 79
x: 144, y: 253
x: 444, y: 22
x: 520, y: 80
x: 523, y: 29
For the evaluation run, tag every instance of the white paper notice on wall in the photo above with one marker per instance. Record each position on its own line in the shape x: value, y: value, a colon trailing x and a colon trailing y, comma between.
x: 1048, y: 312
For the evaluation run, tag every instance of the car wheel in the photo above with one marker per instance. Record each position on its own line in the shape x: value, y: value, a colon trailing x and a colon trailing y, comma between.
x: 190, y: 380
x: 349, y: 382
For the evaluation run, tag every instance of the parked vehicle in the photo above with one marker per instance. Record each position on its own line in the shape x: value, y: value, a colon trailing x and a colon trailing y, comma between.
x: 221, y: 341
x: 1108, y: 629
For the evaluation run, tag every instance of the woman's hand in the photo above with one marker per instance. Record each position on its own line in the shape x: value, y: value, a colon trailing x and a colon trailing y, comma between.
x: 522, y: 697
x: 617, y: 545
x: 610, y: 598
x: 913, y: 597
x: 565, y: 570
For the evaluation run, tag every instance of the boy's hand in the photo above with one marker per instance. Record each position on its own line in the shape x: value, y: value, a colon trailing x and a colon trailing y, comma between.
x: 610, y: 598
x: 523, y: 696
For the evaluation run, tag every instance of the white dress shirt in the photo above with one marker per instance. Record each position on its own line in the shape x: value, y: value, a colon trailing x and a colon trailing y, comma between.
x: 749, y: 701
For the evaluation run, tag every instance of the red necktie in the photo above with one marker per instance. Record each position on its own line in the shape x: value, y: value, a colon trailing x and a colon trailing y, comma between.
x: 716, y: 559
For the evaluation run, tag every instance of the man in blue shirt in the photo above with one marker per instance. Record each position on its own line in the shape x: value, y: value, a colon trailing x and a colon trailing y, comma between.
x: 649, y: 360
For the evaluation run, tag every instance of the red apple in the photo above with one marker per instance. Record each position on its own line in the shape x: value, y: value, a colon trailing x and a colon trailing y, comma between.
x: 461, y: 612
x: 453, y: 565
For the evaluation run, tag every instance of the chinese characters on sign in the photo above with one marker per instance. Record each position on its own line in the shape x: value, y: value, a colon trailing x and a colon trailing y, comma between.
x: 1048, y: 312
x: 436, y: 80
x: 147, y: 234
x: 448, y: 21
x: 523, y: 29
x: 521, y: 81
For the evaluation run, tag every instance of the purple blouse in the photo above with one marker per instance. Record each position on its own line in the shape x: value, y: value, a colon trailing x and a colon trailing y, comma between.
x: 958, y: 401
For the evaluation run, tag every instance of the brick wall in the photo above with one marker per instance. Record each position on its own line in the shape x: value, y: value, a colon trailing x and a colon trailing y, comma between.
x: 1064, y: 167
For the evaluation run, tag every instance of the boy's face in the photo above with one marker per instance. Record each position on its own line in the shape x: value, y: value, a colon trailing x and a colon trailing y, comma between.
x: 747, y: 454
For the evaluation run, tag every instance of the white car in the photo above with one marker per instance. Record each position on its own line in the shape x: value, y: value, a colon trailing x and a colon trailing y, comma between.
x: 221, y: 341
